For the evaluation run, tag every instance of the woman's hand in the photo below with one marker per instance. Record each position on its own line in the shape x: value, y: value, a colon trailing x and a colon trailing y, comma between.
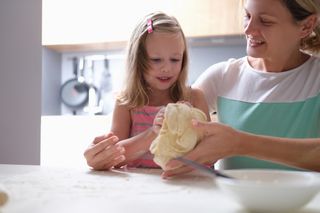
x: 218, y: 141
x: 103, y: 153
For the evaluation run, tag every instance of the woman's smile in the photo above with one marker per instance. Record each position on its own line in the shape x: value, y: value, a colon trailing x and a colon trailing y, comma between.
x: 255, y: 42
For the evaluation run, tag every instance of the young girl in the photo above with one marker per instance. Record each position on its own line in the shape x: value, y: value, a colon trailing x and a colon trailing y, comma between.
x: 157, y: 62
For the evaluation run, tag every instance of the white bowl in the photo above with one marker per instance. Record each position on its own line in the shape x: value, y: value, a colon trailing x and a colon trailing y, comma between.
x: 270, y: 190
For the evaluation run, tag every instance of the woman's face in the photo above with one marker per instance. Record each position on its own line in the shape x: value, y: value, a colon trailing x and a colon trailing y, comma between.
x: 270, y: 29
x: 165, y: 57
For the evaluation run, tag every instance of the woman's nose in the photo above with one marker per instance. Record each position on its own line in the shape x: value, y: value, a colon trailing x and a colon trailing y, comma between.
x: 250, y: 27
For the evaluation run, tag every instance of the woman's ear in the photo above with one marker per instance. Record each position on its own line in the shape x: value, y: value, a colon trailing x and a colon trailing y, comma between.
x: 308, y: 25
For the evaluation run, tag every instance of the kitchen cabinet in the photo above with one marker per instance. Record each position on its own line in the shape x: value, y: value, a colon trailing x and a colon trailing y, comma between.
x: 76, y: 25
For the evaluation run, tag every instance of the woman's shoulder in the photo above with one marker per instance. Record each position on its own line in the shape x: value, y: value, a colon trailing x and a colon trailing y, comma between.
x: 221, y: 68
x: 216, y: 72
x: 195, y: 95
x: 226, y: 64
x: 315, y: 60
x: 195, y: 92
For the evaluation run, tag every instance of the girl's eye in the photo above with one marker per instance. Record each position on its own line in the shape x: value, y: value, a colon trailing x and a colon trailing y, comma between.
x: 155, y: 60
x: 175, y: 59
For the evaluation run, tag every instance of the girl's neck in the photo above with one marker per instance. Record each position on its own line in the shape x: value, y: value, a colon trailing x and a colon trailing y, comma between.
x: 159, y: 98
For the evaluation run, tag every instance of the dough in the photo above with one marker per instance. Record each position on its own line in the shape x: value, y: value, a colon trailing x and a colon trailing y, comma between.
x: 3, y: 197
x: 176, y: 136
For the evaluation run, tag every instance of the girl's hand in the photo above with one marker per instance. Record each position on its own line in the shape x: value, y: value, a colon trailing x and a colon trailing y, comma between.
x: 103, y: 153
x: 158, y: 120
x: 219, y: 141
x: 185, y: 102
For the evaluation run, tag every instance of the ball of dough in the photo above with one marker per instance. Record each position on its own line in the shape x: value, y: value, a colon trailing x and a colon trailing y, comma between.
x: 176, y: 136
x: 3, y: 198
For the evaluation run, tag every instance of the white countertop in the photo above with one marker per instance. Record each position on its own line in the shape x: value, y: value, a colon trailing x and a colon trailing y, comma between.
x: 43, y: 189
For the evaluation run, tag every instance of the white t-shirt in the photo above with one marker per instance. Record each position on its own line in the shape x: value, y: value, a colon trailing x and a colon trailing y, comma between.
x: 285, y: 104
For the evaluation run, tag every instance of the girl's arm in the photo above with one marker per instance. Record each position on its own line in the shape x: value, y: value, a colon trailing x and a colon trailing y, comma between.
x: 121, y: 121
x: 137, y: 146
x: 198, y: 101
x: 134, y: 146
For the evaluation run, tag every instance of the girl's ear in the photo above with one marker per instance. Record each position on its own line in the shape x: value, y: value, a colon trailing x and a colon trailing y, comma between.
x: 308, y: 25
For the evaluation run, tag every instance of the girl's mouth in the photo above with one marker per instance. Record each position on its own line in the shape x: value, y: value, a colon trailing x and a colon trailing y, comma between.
x: 164, y: 79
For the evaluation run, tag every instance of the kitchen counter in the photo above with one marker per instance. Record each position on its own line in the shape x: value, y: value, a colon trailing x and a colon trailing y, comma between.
x: 50, y: 189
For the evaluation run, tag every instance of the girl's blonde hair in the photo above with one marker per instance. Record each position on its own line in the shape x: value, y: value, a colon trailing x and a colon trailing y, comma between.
x: 136, y: 90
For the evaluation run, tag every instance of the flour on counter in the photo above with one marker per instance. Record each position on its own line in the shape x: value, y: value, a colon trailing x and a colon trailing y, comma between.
x: 42, y: 186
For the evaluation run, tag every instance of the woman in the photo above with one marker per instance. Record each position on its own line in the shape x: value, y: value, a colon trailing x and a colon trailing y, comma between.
x: 268, y: 103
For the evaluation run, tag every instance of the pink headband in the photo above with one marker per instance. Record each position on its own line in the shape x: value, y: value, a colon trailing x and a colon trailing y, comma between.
x: 149, y: 26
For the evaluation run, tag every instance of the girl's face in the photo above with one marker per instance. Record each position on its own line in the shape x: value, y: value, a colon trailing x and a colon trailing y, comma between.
x: 165, y: 56
x: 270, y: 29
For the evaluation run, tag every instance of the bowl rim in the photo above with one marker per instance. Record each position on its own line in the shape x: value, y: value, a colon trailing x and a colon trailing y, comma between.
x: 313, y: 179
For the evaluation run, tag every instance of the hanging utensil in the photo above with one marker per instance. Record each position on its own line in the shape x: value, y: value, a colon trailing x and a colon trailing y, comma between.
x: 74, y: 92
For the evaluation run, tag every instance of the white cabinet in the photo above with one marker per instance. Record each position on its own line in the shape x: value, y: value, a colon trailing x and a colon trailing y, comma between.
x: 102, y: 24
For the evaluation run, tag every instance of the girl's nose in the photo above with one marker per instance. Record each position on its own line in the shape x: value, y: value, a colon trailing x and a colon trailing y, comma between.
x: 164, y: 70
x: 165, y: 67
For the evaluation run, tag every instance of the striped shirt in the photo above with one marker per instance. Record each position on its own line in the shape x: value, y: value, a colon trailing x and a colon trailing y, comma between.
x: 142, y: 119
x: 285, y: 104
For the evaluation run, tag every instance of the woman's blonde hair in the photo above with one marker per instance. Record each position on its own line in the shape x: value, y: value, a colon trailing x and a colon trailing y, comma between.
x: 136, y: 90
x: 301, y: 9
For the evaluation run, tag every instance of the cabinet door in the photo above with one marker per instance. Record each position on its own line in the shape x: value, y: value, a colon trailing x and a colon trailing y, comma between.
x: 209, y: 17
x: 81, y: 22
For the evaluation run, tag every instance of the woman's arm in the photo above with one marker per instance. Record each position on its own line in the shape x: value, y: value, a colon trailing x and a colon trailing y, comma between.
x: 301, y: 153
x: 223, y: 141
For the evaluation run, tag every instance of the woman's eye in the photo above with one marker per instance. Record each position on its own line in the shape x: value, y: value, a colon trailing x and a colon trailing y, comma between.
x: 266, y: 22
x: 246, y: 17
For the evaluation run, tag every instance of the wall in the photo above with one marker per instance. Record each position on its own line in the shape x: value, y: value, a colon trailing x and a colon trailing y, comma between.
x: 82, y: 129
x: 51, y: 81
x: 20, y: 81
x: 203, y: 53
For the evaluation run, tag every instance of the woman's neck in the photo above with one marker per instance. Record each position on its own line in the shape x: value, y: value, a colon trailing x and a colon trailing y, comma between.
x: 279, y: 64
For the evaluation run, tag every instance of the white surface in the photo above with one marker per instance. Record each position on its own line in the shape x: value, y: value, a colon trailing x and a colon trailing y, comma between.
x: 44, y: 190
x: 64, y: 138
x: 271, y: 190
